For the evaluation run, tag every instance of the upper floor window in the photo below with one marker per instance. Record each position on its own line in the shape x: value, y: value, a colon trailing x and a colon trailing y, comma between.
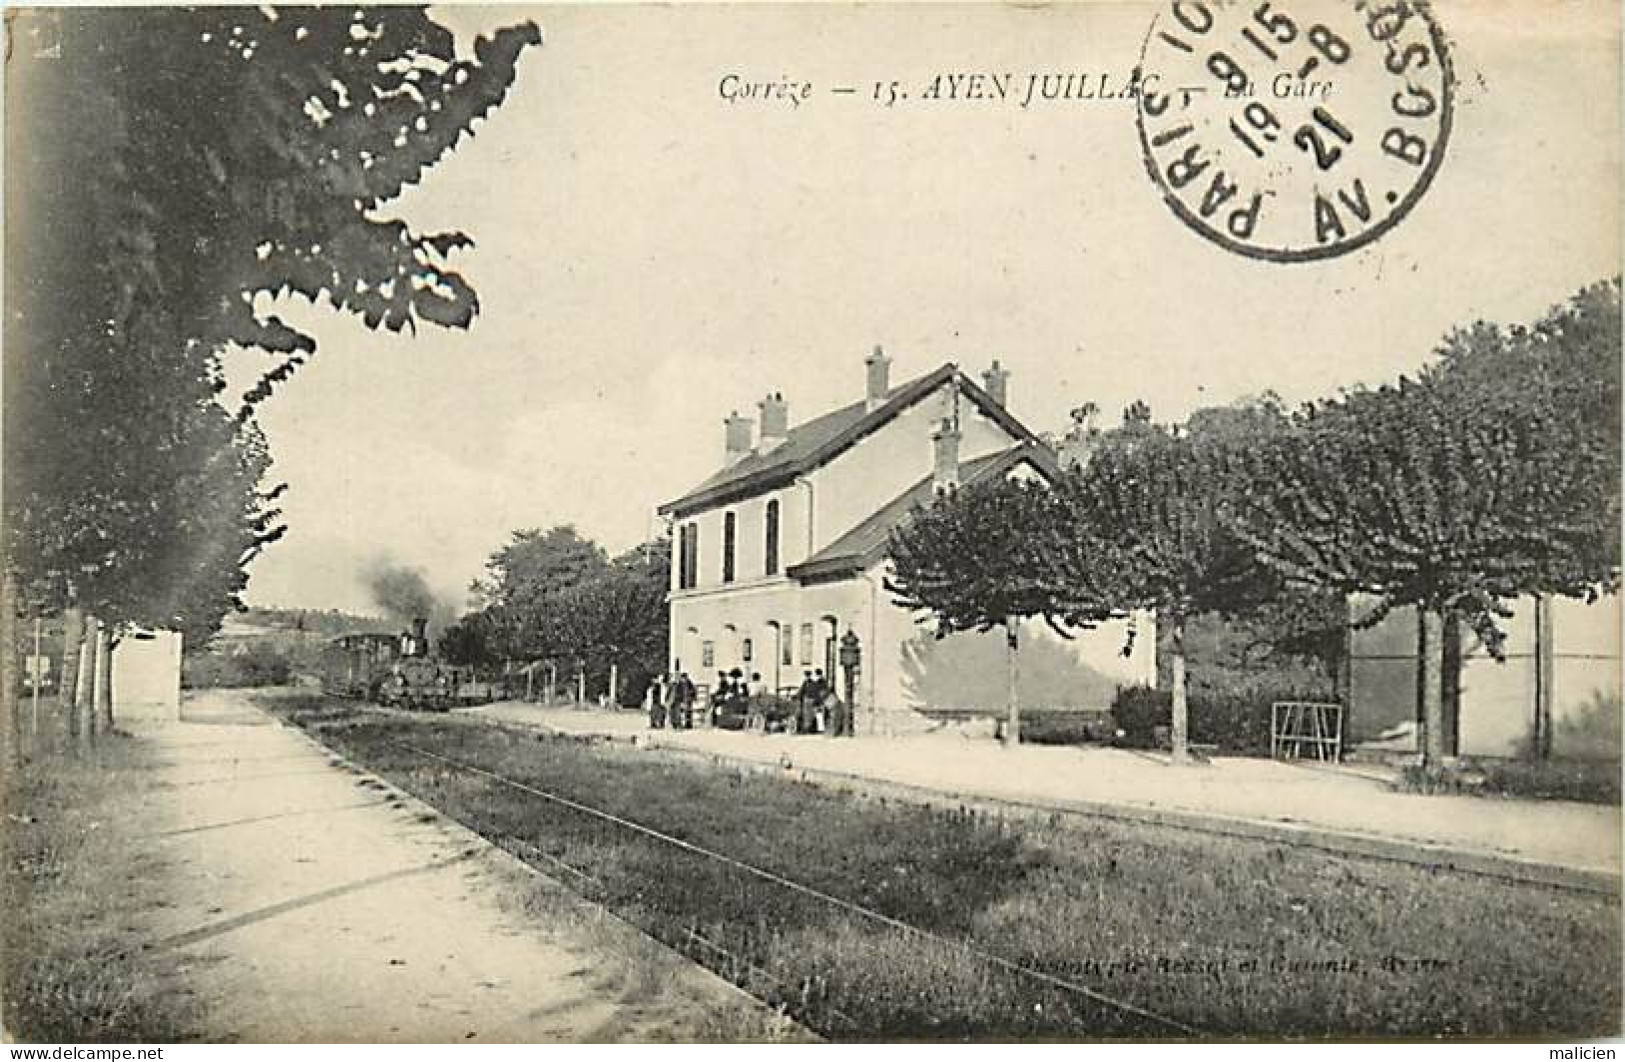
x: 771, y: 547
x: 728, y: 522
x: 688, y: 556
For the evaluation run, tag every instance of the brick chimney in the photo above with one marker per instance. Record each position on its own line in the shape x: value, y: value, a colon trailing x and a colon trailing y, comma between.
x: 996, y: 382
x: 736, y: 437
x: 945, y: 468
x: 879, y: 380
x: 775, y: 419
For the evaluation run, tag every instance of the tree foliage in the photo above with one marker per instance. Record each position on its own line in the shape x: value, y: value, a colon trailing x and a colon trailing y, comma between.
x: 1145, y: 528
x: 1493, y: 475
x: 984, y: 555
x: 166, y: 168
x: 554, y: 595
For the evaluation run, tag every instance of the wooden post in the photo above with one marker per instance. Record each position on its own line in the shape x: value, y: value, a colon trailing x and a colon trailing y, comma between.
x: 552, y: 682
x: 614, y: 682
x: 530, y: 682
x: 1181, y: 707
x: 581, y: 685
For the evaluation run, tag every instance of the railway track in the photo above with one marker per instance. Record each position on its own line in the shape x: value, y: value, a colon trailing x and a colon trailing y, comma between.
x: 1143, y: 1020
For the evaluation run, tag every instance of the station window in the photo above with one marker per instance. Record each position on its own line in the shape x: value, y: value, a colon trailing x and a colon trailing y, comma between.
x: 688, y: 557
x: 728, y: 522
x: 771, y: 546
x: 708, y: 655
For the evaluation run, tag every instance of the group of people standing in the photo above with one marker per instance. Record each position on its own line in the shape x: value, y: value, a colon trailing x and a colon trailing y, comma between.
x: 817, y: 709
x: 673, y: 705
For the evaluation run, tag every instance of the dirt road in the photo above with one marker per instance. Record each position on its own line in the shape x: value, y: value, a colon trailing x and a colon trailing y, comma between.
x: 312, y: 902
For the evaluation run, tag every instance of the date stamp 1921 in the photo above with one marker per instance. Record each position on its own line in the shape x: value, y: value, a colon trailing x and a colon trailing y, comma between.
x: 1294, y: 130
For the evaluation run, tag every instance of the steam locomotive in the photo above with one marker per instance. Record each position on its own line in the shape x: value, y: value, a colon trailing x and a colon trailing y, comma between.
x: 397, y: 670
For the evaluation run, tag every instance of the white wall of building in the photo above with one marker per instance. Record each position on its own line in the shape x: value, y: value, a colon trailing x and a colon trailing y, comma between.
x: 147, y: 677
x: 866, y: 477
x: 905, y: 668
x: 1498, y: 697
x: 838, y: 496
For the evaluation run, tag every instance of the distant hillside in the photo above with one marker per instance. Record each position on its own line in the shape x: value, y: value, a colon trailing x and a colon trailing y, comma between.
x: 271, y: 646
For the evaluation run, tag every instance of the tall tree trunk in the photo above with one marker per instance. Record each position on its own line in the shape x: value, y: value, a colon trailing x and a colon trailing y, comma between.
x: 1450, y: 683
x: 11, y: 730
x: 106, y: 643
x: 73, y: 632
x: 84, y: 710
x: 1345, y: 679
x: 1545, y: 663
x: 1012, y: 656
x: 1181, y: 705
x: 95, y: 643
x: 1429, y: 702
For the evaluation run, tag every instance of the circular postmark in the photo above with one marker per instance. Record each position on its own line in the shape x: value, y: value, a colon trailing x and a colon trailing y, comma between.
x: 1294, y: 130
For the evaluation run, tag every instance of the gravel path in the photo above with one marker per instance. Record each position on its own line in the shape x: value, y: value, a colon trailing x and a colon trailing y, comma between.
x: 312, y: 902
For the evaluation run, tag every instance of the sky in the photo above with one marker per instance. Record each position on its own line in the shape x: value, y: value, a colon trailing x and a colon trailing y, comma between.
x: 650, y: 257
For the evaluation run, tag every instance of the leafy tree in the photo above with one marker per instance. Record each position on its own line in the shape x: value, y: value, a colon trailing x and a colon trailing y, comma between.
x: 1493, y: 476
x: 1144, y: 530
x: 536, y: 563
x: 470, y: 641
x: 148, y: 223
x: 984, y: 557
x: 522, y: 588
x: 619, y: 618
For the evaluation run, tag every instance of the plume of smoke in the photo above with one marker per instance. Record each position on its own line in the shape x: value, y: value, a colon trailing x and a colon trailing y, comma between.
x: 402, y: 593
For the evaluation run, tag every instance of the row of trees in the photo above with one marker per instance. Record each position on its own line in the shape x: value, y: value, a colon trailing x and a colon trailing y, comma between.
x: 174, y: 171
x: 555, y: 596
x: 1492, y: 474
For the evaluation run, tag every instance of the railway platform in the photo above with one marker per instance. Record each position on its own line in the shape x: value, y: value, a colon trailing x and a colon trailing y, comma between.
x: 1343, y: 810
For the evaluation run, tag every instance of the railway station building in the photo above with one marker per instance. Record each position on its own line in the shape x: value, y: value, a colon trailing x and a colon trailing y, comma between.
x: 781, y: 554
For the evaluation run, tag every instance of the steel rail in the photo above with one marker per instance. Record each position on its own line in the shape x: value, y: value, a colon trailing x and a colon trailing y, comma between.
x: 819, y: 894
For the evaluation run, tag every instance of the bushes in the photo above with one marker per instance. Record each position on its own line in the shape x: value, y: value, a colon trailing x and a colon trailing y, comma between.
x: 1236, y: 719
x: 1066, y: 728
x: 1138, y: 711
x: 251, y: 663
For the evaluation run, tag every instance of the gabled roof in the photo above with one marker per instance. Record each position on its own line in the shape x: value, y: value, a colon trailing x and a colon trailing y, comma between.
x: 822, y: 439
x: 866, y: 543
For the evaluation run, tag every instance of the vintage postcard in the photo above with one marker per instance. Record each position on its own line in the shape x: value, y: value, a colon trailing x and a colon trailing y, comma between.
x: 812, y: 522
